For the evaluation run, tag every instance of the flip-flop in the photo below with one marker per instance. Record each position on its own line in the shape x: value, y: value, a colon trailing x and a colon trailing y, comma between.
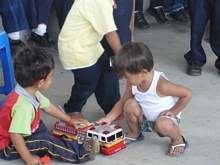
x: 185, y: 144
x: 139, y: 138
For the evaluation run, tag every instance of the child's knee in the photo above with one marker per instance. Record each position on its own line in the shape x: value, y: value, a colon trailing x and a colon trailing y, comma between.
x: 131, y: 105
x: 163, y: 125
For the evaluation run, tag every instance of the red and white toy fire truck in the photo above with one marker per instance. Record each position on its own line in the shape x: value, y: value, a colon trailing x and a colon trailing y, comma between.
x: 110, y: 136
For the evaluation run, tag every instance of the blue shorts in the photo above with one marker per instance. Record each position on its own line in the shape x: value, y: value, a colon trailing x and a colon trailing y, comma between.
x: 148, y: 126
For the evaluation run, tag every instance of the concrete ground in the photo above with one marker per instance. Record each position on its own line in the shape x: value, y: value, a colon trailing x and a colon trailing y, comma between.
x: 200, y: 122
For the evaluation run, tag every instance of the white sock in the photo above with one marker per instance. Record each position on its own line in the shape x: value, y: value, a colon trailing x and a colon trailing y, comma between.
x: 41, y: 29
x: 157, y: 7
x: 14, y: 35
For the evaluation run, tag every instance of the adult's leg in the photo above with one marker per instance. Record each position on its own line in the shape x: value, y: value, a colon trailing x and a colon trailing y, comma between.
x: 140, y: 22
x: 139, y: 5
x: 14, y: 20
x: 173, y: 5
x: 107, y: 91
x: 215, y: 31
x: 62, y: 9
x: 31, y: 13
x: 122, y: 17
x: 157, y: 3
x: 42, y: 142
x: 132, y: 21
x: 37, y: 11
x: 43, y: 8
x: 13, y: 15
x: 199, y: 12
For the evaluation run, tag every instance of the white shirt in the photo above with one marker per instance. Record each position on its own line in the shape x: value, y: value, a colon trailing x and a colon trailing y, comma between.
x: 152, y: 104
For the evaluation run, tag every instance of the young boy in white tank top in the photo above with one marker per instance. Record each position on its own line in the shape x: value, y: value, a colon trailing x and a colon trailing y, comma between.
x: 151, y: 102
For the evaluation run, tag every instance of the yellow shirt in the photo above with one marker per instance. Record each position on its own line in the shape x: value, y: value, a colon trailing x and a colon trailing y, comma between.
x: 86, y: 24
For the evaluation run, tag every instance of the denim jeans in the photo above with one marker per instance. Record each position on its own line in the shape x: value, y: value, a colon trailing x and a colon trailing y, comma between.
x: 37, y: 11
x: 122, y: 17
x: 169, y: 5
x: 174, y: 5
x: 13, y: 15
x: 99, y: 79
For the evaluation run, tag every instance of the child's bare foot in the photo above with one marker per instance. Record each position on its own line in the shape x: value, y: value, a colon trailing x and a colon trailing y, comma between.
x: 178, y: 147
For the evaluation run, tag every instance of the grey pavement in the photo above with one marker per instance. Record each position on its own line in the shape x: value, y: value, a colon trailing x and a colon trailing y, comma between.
x: 200, y: 122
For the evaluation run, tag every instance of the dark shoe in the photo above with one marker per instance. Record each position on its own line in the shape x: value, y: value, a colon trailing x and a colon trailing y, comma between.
x: 180, y: 16
x: 139, y: 21
x: 44, y: 41
x: 194, y: 69
x: 159, y: 15
x: 15, y: 46
x: 92, y: 146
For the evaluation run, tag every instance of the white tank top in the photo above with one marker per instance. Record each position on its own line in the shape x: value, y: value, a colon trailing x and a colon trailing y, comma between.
x: 152, y: 104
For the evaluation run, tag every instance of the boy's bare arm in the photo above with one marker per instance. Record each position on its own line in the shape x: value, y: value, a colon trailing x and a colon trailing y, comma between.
x: 56, y: 112
x: 19, y: 144
x: 114, y: 41
x: 118, y: 108
x: 167, y: 88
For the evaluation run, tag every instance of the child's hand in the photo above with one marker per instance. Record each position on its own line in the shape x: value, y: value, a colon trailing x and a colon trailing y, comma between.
x: 114, y: 4
x: 79, y: 121
x: 32, y: 160
x: 104, y: 119
x: 168, y: 113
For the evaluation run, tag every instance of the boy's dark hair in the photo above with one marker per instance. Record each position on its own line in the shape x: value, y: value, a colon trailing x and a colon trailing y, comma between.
x: 32, y: 64
x: 133, y: 58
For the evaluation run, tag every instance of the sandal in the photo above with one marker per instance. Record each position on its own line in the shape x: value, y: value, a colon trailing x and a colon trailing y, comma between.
x: 185, y: 144
x: 131, y: 140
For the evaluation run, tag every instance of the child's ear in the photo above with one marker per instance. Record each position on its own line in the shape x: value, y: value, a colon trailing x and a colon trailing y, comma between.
x: 40, y: 83
x: 145, y: 71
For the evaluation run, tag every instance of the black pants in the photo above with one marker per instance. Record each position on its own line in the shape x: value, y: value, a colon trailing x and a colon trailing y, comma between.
x: 37, y: 11
x: 62, y: 9
x: 201, y: 11
x: 99, y: 79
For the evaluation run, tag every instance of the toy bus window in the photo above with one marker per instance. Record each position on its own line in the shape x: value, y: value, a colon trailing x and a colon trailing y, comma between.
x: 103, y: 139
x: 119, y: 134
x: 89, y: 135
x: 111, y: 138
